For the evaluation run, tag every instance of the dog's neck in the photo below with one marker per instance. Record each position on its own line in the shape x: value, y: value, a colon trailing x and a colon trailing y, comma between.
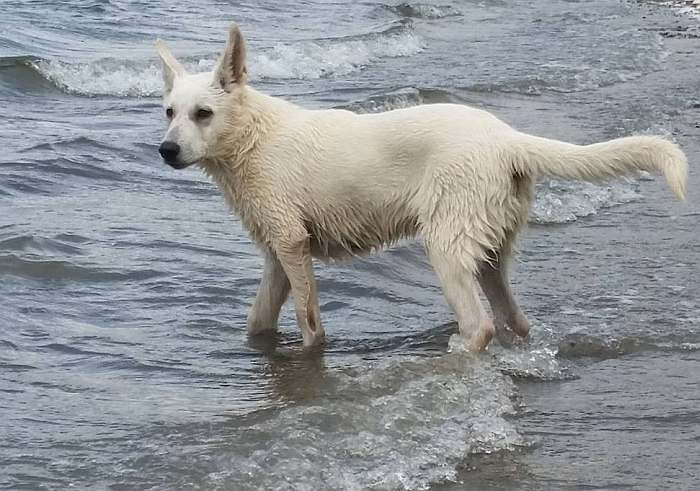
x: 252, y: 117
x: 249, y: 127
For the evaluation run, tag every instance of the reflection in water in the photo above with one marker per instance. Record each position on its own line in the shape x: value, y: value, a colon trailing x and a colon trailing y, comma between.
x: 295, y: 374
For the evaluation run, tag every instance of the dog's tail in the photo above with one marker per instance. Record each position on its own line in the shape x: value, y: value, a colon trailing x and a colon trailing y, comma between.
x: 601, y: 161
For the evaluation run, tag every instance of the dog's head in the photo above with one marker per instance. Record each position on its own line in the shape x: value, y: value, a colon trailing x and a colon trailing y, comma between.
x: 199, y: 106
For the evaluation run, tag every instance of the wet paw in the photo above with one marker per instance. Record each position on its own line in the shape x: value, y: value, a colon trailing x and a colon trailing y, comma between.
x: 481, y: 339
x: 519, y: 325
x: 315, y: 338
x: 261, y: 326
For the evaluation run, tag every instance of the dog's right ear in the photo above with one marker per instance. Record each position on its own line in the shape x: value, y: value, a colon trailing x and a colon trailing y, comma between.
x: 171, y: 67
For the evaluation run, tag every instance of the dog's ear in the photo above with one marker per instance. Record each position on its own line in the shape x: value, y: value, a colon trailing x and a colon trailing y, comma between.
x: 171, y: 67
x: 231, y: 68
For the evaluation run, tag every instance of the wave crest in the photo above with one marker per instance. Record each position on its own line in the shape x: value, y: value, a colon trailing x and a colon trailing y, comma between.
x: 318, y: 59
x: 304, y: 60
x: 423, y: 10
x: 103, y: 77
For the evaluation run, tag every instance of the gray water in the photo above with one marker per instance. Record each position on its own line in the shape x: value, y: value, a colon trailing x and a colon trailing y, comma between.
x: 125, y: 285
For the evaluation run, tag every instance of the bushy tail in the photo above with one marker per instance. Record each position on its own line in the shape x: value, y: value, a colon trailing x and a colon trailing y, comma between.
x: 601, y: 161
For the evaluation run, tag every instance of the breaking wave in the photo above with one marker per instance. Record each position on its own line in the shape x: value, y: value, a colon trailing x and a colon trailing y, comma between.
x: 684, y: 7
x: 103, y: 77
x: 400, y: 424
x: 304, y: 60
x: 397, y: 99
x: 423, y: 10
x: 317, y: 59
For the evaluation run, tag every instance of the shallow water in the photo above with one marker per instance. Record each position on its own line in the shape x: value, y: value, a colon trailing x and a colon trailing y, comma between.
x: 125, y: 285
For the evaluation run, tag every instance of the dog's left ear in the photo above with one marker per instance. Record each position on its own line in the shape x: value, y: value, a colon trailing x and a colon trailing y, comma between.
x: 231, y: 69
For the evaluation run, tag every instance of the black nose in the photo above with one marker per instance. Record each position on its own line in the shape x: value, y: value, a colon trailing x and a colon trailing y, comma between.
x: 169, y: 151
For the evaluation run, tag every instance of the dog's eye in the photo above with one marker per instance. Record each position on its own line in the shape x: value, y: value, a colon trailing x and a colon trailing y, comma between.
x: 169, y: 112
x: 204, y: 113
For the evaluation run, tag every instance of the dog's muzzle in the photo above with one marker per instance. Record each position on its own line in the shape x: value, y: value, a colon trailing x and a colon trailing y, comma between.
x: 170, y: 151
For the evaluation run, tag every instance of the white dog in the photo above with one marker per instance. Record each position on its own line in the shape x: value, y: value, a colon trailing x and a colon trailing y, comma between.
x: 332, y: 184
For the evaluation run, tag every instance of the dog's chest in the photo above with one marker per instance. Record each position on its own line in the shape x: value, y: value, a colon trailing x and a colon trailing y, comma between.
x: 250, y: 210
x: 243, y: 200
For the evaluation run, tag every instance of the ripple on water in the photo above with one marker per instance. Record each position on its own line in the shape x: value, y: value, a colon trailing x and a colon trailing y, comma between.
x: 40, y: 268
x: 40, y: 245
x: 581, y: 345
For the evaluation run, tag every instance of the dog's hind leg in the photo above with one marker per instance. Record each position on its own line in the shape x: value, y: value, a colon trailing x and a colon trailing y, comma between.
x: 272, y: 293
x: 460, y: 287
x: 295, y: 258
x: 493, y: 278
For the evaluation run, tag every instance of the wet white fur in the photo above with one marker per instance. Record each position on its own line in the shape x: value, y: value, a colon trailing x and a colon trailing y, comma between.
x: 333, y: 184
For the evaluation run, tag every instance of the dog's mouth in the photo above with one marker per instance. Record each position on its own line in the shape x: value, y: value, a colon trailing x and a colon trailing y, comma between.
x: 179, y: 165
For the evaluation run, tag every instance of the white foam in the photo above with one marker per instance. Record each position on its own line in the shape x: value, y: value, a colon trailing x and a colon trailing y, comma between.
x: 424, y: 10
x: 401, y: 424
x: 314, y: 60
x: 536, y: 358
x: 562, y: 202
x: 104, y: 77
x: 306, y: 60
x: 692, y: 11
x: 685, y: 7
x: 398, y: 99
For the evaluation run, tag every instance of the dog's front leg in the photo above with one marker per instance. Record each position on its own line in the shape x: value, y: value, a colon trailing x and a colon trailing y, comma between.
x: 272, y: 293
x: 295, y: 257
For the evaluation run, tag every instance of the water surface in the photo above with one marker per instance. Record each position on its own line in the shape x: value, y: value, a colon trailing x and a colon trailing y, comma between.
x: 125, y: 285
